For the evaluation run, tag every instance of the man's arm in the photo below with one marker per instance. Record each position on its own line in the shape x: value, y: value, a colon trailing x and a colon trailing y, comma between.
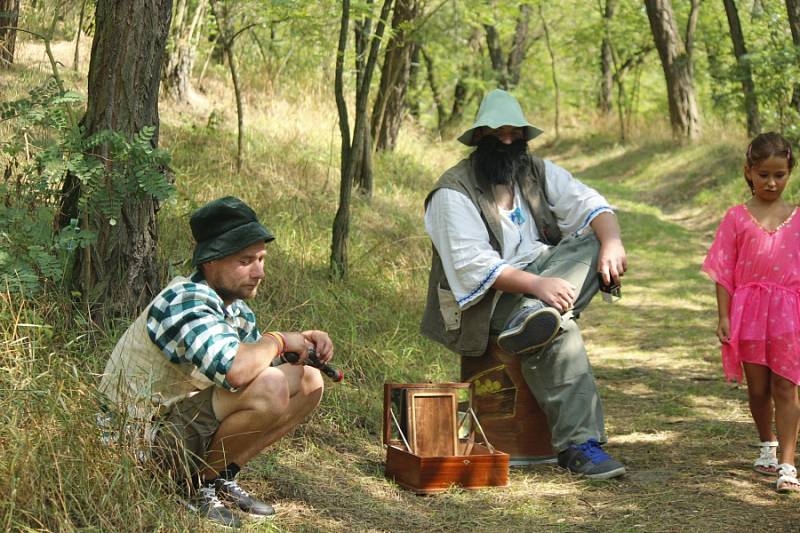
x: 556, y: 292
x: 253, y: 358
x: 612, y: 261
x: 612, y: 264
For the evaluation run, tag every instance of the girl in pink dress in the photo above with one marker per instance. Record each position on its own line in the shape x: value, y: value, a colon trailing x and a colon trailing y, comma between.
x: 755, y: 262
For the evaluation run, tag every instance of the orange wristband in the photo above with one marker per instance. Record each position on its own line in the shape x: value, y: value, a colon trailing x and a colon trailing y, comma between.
x: 280, y: 340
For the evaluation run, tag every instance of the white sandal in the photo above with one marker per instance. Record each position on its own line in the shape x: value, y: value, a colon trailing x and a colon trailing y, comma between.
x: 787, y: 479
x: 767, y: 462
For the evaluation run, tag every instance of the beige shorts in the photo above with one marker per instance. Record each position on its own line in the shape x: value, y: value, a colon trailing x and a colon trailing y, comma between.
x: 183, y: 434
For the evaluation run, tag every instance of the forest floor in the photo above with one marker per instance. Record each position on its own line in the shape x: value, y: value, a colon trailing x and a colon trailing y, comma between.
x: 682, y: 431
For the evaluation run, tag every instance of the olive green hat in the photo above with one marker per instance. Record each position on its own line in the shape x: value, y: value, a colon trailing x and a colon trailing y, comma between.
x: 500, y: 108
x: 223, y: 227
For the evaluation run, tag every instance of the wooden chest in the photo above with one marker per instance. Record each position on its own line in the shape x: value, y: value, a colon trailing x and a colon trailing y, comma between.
x: 429, y: 430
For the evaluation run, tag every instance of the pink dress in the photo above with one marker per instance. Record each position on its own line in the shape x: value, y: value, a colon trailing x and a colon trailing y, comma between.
x: 761, y: 271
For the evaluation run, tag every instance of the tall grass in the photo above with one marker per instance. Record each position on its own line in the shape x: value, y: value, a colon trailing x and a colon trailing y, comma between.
x: 55, y: 472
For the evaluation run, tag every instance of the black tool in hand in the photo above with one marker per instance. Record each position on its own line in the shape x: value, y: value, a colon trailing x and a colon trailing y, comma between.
x: 334, y: 373
x: 610, y: 291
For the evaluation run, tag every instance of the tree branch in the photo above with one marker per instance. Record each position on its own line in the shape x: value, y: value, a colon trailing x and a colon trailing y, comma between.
x: 239, y: 32
x: 691, y: 27
x: 373, y: 49
x: 338, y: 85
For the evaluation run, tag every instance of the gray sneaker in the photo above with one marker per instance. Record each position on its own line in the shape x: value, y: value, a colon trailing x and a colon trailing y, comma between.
x: 230, y: 491
x: 530, y: 328
x: 205, y: 503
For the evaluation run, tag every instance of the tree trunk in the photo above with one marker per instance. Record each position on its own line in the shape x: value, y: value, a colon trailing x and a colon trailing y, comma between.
x: 341, y: 222
x: 119, y: 273
x: 626, y: 106
x: 9, y: 16
x: 351, y: 155
x: 76, y: 58
x: 362, y: 171
x: 606, y: 61
x: 441, y: 114
x: 387, y: 113
x: 553, y: 70
x: 361, y: 158
x: 793, y: 10
x: 516, y: 56
x: 744, y: 71
x: 177, y: 75
x: 459, y: 100
x: 412, y: 103
x: 508, y: 71
x: 460, y: 91
x: 676, y: 61
x: 227, y: 37
x: 496, y: 55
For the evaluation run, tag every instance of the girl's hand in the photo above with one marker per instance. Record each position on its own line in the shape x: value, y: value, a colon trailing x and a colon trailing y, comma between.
x: 724, y: 330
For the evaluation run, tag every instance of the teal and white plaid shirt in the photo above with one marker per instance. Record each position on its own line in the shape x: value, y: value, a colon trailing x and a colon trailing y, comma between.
x: 190, y: 323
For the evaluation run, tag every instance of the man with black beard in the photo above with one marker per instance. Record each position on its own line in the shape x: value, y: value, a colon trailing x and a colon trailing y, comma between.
x: 519, y: 250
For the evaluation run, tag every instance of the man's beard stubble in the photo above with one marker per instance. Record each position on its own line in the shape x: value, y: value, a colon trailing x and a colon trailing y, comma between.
x: 241, y: 292
x: 500, y: 163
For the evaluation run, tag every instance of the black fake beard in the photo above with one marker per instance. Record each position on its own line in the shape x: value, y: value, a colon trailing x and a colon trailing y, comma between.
x: 500, y: 163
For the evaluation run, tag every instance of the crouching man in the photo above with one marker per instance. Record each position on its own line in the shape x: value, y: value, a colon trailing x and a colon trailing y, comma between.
x: 196, y: 369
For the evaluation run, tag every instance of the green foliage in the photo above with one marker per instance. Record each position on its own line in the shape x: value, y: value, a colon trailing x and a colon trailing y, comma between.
x: 46, y: 146
x: 772, y: 57
x: 131, y: 170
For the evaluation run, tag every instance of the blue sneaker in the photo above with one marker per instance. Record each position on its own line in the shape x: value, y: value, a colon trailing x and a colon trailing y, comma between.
x: 589, y: 460
x: 530, y: 328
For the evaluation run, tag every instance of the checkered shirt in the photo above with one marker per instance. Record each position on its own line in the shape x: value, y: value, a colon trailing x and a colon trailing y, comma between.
x: 190, y: 323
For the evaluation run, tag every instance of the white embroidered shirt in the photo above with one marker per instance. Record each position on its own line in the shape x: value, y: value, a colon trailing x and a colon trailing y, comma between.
x: 461, y: 238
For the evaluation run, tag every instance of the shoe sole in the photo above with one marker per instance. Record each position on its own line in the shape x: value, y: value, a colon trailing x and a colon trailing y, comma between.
x: 761, y: 470
x: 607, y: 475
x: 546, y: 320
x: 259, y: 516
x: 193, y: 508
x: 232, y: 505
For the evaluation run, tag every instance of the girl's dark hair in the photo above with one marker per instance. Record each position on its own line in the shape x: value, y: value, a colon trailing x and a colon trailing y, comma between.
x: 766, y: 145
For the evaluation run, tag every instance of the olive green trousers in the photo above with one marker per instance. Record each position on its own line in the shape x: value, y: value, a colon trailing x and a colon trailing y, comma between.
x: 559, y: 375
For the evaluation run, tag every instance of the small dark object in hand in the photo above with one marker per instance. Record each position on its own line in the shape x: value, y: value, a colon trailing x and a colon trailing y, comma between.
x: 610, y: 290
x: 334, y: 374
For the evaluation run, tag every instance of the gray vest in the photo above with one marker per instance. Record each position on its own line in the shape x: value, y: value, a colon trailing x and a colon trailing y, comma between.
x: 467, y: 332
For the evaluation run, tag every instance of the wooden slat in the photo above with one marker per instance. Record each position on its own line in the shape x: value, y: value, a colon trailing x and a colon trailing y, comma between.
x: 433, y: 421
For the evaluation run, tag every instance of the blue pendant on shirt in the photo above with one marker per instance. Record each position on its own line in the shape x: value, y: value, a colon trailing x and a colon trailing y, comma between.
x: 517, y: 217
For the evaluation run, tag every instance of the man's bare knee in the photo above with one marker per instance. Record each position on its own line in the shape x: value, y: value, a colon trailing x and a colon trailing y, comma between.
x: 312, y: 381
x: 269, y: 392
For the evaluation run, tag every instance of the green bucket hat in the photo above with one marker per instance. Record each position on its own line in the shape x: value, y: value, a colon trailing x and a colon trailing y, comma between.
x: 223, y: 227
x: 500, y: 108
